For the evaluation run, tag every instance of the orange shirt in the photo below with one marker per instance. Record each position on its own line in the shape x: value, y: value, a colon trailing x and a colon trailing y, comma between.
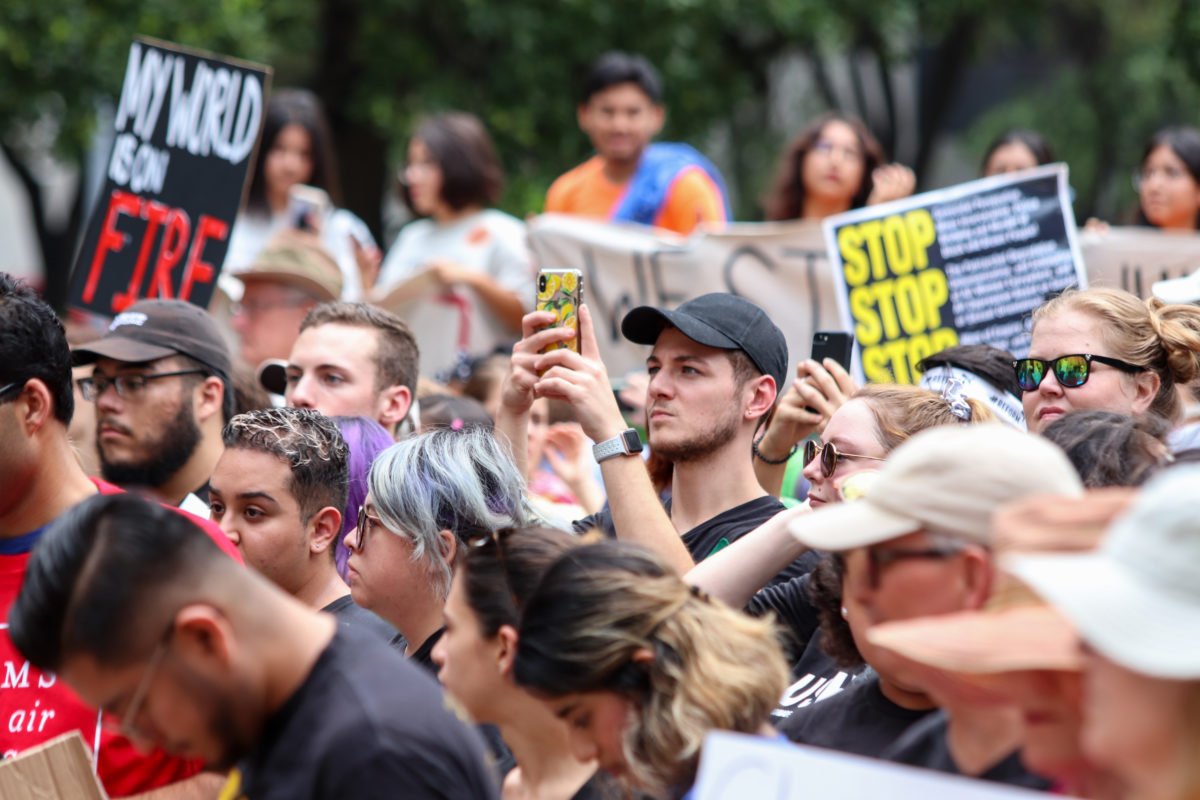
x: 693, y: 197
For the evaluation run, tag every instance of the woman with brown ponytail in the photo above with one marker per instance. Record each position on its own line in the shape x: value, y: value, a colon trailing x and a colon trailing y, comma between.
x: 642, y: 667
x: 1105, y: 349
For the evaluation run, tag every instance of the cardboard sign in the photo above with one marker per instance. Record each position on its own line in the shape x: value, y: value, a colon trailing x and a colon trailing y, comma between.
x: 187, y: 127
x: 780, y: 266
x: 1133, y: 259
x: 961, y: 265
x: 448, y: 324
x: 59, y: 769
x: 735, y: 766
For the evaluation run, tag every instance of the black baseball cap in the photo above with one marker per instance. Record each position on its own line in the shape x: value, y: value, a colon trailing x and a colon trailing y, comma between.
x: 152, y: 329
x: 717, y: 320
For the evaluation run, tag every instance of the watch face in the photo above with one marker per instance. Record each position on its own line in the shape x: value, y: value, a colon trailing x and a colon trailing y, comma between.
x: 631, y: 440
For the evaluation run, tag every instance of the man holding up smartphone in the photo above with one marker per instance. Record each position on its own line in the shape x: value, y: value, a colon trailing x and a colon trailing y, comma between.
x: 714, y: 368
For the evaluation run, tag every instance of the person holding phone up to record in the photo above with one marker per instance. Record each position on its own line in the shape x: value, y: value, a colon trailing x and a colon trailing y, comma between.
x: 295, y: 186
x: 822, y: 384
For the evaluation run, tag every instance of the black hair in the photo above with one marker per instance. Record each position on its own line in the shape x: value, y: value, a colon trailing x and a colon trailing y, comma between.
x: 471, y: 172
x: 786, y: 198
x: 1184, y: 142
x: 33, y: 344
x: 990, y: 363
x: 501, y: 574
x: 453, y: 411
x: 296, y: 107
x: 1037, y: 144
x: 825, y: 595
x: 1110, y: 449
x: 97, y: 576
x: 614, y: 68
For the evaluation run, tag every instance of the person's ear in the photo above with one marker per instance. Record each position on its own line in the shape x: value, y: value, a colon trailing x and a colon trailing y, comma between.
x: 203, y: 635
x: 760, y: 395
x: 209, y: 398
x: 324, y: 529
x: 34, y: 406
x: 1145, y: 389
x: 658, y: 114
x: 507, y: 652
x: 977, y: 576
x: 582, y: 116
x: 448, y: 545
x: 393, y: 405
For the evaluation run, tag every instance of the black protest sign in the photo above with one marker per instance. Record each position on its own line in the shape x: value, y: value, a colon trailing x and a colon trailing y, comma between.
x: 186, y: 130
x: 961, y: 265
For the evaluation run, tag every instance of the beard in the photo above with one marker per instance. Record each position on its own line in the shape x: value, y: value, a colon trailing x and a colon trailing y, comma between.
x: 699, y: 446
x: 167, y: 454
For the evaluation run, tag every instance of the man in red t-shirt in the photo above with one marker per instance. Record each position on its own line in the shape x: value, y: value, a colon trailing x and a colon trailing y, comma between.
x: 40, y: 479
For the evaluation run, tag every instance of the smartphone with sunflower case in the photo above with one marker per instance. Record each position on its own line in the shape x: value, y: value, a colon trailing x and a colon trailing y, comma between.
x: 560, y: 291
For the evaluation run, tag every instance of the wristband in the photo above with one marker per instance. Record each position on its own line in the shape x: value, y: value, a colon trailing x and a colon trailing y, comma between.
x: 772, y: 462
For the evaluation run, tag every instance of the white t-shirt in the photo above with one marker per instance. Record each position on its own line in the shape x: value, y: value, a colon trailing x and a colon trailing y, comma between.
x: 490, y: 241
x: 253, y: 230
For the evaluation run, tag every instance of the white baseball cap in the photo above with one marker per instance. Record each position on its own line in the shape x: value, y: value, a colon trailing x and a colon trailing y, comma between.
x: 1136, y: 599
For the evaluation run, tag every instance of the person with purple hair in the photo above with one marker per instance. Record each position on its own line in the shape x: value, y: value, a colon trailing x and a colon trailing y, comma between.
x: 366, y: 439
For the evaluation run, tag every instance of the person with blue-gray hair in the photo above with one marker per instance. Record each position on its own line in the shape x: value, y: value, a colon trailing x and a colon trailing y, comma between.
x: 428, y: 497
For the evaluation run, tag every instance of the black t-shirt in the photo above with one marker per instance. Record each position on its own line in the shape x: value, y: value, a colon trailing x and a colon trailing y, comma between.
x: 365, y: 724
x: 858, y: 720
x: 925, y: 745
x: 716, y: 533
x: 350, y: 613
x: 815, y: 677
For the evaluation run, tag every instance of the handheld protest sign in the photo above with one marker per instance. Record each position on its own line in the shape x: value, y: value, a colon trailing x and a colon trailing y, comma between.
x: 187, y: 128
x: 960, y: 265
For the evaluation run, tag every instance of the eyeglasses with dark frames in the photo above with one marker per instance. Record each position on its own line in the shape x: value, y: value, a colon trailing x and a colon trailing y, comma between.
x: 365, y: 521
x: 879, y: 558
x: 127, y: 386
x: 829, y: 456
x: 13, y: 388
x: 1071, y: 371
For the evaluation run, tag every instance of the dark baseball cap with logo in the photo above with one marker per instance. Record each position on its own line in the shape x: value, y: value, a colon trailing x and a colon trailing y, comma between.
x: 718, y: 320
x: 152, y: 329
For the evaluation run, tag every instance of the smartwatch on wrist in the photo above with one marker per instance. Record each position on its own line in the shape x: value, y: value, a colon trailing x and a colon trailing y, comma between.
x: 626, y: 443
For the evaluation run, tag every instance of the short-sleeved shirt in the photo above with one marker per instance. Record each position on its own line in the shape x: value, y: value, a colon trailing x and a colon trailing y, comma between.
x: 925, y: 745
x: 36, y: 706
x: 858, y: 720
x: 716, y: 533
x: 693, y: 197
x: 364, y: 724
x: 490, y: 242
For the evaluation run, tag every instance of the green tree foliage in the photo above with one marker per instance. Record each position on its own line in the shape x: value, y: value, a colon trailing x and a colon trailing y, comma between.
x: 1115, y: 70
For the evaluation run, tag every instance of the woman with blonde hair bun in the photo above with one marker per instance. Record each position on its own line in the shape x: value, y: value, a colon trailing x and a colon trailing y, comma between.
x: 1106, y: 349
x: 641, y: 666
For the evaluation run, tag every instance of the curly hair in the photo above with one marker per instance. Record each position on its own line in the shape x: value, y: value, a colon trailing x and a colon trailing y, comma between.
x: 1159, y: 337
x: 308, y: 442
x: 713, y: 667
x: 825, y: 594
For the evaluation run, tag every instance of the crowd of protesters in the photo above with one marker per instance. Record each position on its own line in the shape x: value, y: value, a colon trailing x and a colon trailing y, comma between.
x: 295, y: 568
